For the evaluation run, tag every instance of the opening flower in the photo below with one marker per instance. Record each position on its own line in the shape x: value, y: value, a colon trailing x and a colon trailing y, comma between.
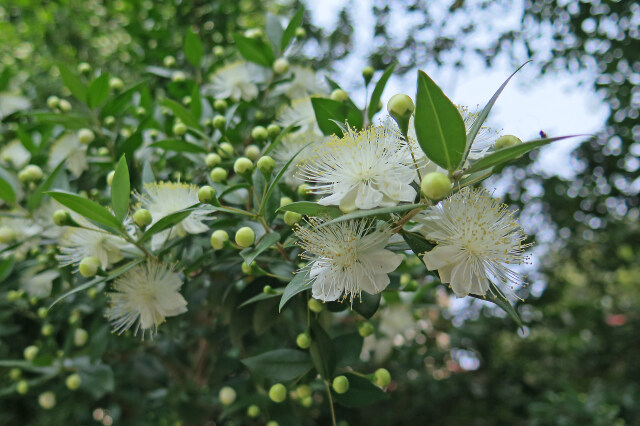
x: 69, y: 147
x: 304, y: 83
x: 300, y: 112
x: 347, y: 258
x: 145, y: 295
x: 362, y: 170
x: 477, y: 241
x: 235, y: 81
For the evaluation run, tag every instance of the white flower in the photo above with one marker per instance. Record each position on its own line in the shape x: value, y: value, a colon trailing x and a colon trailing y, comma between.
x: 236, y: 81
x: 10, y: 103
x: 362, y: 170
x: 164, y: 198
x: 38, y: 285
x: 288, y: 147
x: 477, y: 241
x: 16, y: 154
x: 146, y: 294
x: 26, y: 232
x: 485, y: 138
x: 69, y: 147
x: 301, y: 112
x: 304, y: 83
x: 347, y: 258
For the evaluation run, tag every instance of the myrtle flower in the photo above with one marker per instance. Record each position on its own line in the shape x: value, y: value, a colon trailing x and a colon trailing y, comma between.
x: 26, y: 232
x: 164, y: 198
x: 15, y: 154
x: 304, y: 83
x: 145, y: 296
x: 477, y: 240
x: 288, y: 147
x: 301, y: 112
x: 38, y: 285
x: 485, y: 138
x: 236, y: 81
x: 346, y: 258
x: 361, y: 170
x: 69, y: 147
x: 10, y: 103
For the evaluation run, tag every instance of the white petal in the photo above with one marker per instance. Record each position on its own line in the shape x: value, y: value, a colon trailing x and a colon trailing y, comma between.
x: 445, y: 274
x: 194, y: 226
x: 384, y: 261
x: 368, y: 197
x: 461, y: 278
x: 441, y: 256
x: 325, y: 289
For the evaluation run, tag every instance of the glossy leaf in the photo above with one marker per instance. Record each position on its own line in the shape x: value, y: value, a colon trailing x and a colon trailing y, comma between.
x: 6, y: 266
x: 290, y: 31
x: 280, y: 364
x: 327, y: 109
x: 87, y: 208
x: 378, y: 90
x: 182, y: 113
x: 374, y: 212
x: 120, y: 190
x: 361, y: 392
x: 98, y: 91
x: 419, y: 245
x: 178, y: 145
x: 322, y: 350
x: 258, y: 298
x: 254, y: 50
x: 167, y: 222
x: 117, y: 106
x: 73, y: 83
x: 367, y: 305
x: 309, y: 208
x: 250, y: 253
x: 349, y: 349
x: 7, y: 187
x: 193, y: 50
x: 274, y: 31
x: 298, y: 284
x: 502, y: 304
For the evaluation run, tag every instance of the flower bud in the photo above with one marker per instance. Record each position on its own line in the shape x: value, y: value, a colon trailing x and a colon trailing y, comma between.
x: 280, y: 66
x: 42, y: 312
x: 89, y: 267
x: 85, y: 136
x: 340, y: 384
x: 47, y: 330
x: 303, y: 340
x: 382, y: 377
x: 22, y: 387
x: 303, y: 391
x: 218, y: 50
x: 178, y: 77
x: 220, y: 105
x: 367, y: 73
x: 278, y: 393
x: 266, y: 164
x: 186, y: 101
x: 272, y: 423
x: 303, y: 190
x: 30, y: 352
x: 206, y: 194
x: 253, y: 411
x: 64, y: 105
x: 212, y: 160
x: 218, y: 174
x: 13, y: 295
x: 84, y: 68
x: 7, y: 235
x: 80, y: 337
x: 53, y: 102
x: 435, y: 185
x: 62, y: 218
x: 110, y: 177
x: 47, y: 400
x: 506, y: 141
x: 285, y: 200
x: 30, y: 173
x: 218, y: 238
x: 314, y: 305
x: 307, y: 402
x: 179, y: 128
x: 300, y: 33
x: 219, y: 122
x: 227, y: 395
x: 259, y: 133
x: 365, y: 329
x: 15, y: 373
x: 115, y: 83
x: 245, y: 237
x: 242, y: 165
x: 247, y: 269
x: 291, y: 218
x: 73, y: 382
x: 141, y: 112
x: 109, y: 120
x: 267, y: 289
x: 169, y: 61
x: 252, y: 152
x: 225, y: 149
x: 142, y: 218
x: 401, y: 107
x: 273, y: 130
x: 339, y: 95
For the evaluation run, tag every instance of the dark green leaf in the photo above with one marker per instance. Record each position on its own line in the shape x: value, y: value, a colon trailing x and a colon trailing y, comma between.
x: 117, y: 105
x: 417, y: 243
x: 5, y: 77
x: 361, y: 392
x: 178, y: 145
x: 274, y: 32
x: 290, y: 31
x: 503, y: 304
x: 323, y: 353
x: 97, y: 380
x: 128, y: 146
x: 439, y: 126
x: 298, y: 284
x: 167, y: 222
x: 6, y: 266
x: 193, y: 49
x: 309, y: 208
x: 257, y: 298
x: 377, y: 91
x: 367, y: 305
x: 328, y: 109
x: 196, y: 103
x: 374, y: 212
x: 87, y: 208
x: 120, y: 190
x: 348, y: 348
x: 38, y: 194
x: 250, y: 253
x: 182, y: 113
x: 254, y: 50
x: 7, y: 187
x: 98, y: 91
x: 281, y: 364
x: 265, y: 315
x: 73, y: 83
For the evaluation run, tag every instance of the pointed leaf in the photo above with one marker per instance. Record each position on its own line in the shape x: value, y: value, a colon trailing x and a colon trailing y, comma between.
x: 322, y: 350
x: 290, y: 31
x: 254, y: 50
x: 38, y: 194
x: 378, y: 90
x: 193, y: 49
x: 120, y: 190
x: 7, y: 187
x: 309, y: 208
x: 117, y: 106
x: 87, y: 208
x: 367, y: 305
x: 503, y: 304
x: 361, y: 392
x: 274, y: 32
x: 418, y: 244
x: 98, y: 91
x: 328, y: 109
x: 374, y: 212
x: 178, y: 145
x: 281, y: 365
x: 182, y: 113
x: 73, y: 83
x: 250, y: 253
x: 167, y: 222
x: 298, y: 284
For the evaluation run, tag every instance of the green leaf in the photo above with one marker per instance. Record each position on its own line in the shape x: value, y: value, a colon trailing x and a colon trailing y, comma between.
x: 97, y: 380
x: 274, y: 31
x: 298, y: 284
x: 350, y: 348
x: 6, y: 266
x: 167, y: 222
x: 439, y: 126
x: 120, y: 190
x: 128, y: 146
x: 250, y: 253
x: 117, y: 105
x: 7, y: 187
x: 196, y: 103
x: 257, y: 298
x: 178, y: 145
x: 281, y: 365
x: 309, y: 208
x: 290, y: 31
x: 193, y: 49
x: 36, y: 198
x: 482, y: 116
x: 98, y: 91
x: 503, y: 304
x: 377, y: 91
x: 367, y: 305
x: 361, y: 392
x: 328, y: 109
x: 374, y: 212
x: 5, y: 78
x: 73, y: 83
x: 511, y: 153
x: 417, y: 243
x: 182, y: 113
x: 87, y: 208
x: 254, y: 50
x: 279, y: 138
x: 322, y: 350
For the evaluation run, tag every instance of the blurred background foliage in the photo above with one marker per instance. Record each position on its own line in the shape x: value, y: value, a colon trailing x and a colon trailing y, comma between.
x: 576, y: 362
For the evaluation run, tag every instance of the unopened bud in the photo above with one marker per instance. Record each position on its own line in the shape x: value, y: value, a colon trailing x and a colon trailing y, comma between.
x: 273, y: 130
x: 84, y: 68
x: 15, y: 373
x: 53, y: 102
x: 73, y: 382
x: 220, y: 105
x: 212, y: 160
x: 339, y: 95
x: 62, y: 218
x: 178, y: 77
x: 253, y: 411
x: 85, y: 136
x: 266, y: 164
x: 285, y: 200
x: 218, y: 174
x: 506, y: 141
x: 259, y: 133
x: 47, y: 330
x: 435, y: 185
x: 300, y: 33
x: 64, y: 105
x: 142, y: 218
x: 382, y: 377
x: 291, y: 218
x: 278, y: 393
x: 115, y: 83
x: 252, y: 152
x: 206, y: 194
x: 219, y: 122
x: 245, y: 237
x: 179, y: 128
x: 242, y: 165
x: 30, y: 173
x: 47, y: 400
x: 314, y: 305
x: 367, y: 73
x: 365, y: 329
x: 22, y: 387
x: 303, y: 340
x: 110, y: 177
x: 89, y: 266
x: 401, y: 107
x: 169, y: 61
x: 80, y: 337
x: 30, y: 352
x: 218, y: 238
x: 225, y: 149
x: 280, y: 66
x: 340, y: 384
x: 7, y: 235
x: 227, y: 395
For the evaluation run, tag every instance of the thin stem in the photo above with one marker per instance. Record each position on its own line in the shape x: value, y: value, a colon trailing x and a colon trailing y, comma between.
x: 333, y: 413
x: 405, y: 219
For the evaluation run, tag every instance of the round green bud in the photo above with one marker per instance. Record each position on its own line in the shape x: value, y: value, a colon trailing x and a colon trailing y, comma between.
x: 218, y: 50
x: 89, y: 266
x: 340, y: 384
x: 367, y: 73
x: 266, y: 164
x: 382, y: 377
x: 92, y: 293
x: 227, y: 395
x: 273, y: 130
x: 142, y: 218
x: 141, y: 112
x: 225, y: 149
x: 61, y: 218
x: 365, y: 329
x: 178, y: 77
x: 220, y: 105
x: 259, y: 133
x: 411, y: 286
x: 247, y: 269
x: 47, y: 330
x: 74, y: 318
x: 73, y: 382
x: 315, y: 305
x: 30, y: 352
x: 7, y: 235
x: 300, y: 33
x: 42, y: 312
x: 13, y: 295
x: 80, y: 337
x: 245, y: 237
x: 103, y: 151
x: 272, y: 423
x: 15, y: 373
x: 22, y: 387
x: 186, y: 101
x: 212, y: 160
x: 303, y: 190
x: 169, y: 61
x: 218, y: 174
x: 53, y: 102
x: 280, y: 66
x: 303, y: 340
x: 278, y: 393
x: 303, y: 391
x: 109, y: 120
x: 506, y: 141
x: 110, y: 177
x: 435, y: 185
x: 285, y: 200
x: 218, y: 238
x: 219, y: 122
x: 252, y: 152
x: 291, y: 218
x: 47, y: 400
x: 115, y: 83
x: 242, y: 165
x: 206, y: 194
x: 125, y: 133
x: 267, y: 289
x: 84, y: 68
x: 179, y: 128
x: 30, y: 173
x: 65, y: 105
x: 339, y: 95
x: 400, y: 106
x: 253, y: 411
x: 85, y: 136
